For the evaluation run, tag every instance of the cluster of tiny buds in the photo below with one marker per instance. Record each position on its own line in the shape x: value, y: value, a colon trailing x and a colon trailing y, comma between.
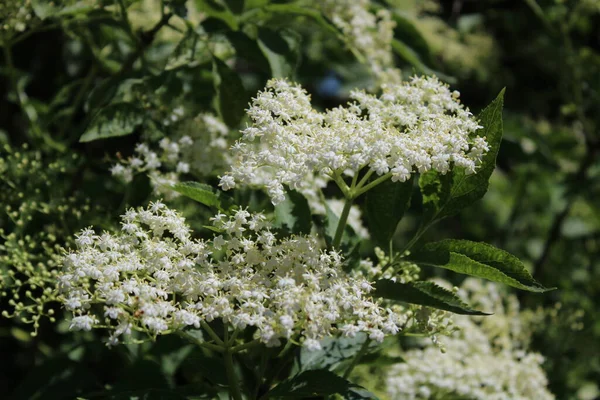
x: 31, y: 243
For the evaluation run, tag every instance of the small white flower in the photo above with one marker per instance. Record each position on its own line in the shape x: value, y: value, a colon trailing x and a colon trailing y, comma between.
x: 83, y: 323
x: 227, y: 182
x: 312, y: 345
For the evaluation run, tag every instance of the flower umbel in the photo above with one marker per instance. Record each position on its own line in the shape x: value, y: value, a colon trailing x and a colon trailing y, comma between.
x: 153, y: 277
x: 414, y: 126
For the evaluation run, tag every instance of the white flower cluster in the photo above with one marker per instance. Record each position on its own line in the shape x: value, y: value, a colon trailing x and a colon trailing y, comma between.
x: 200, y: 149
x: 478, y: 364
x: 414, y: 126
x: 368, y: 34
x: 153, y: 277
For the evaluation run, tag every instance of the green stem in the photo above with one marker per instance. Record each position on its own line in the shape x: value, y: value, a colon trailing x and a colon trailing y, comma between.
x: 244, y: 346
x: 212, y: 333
x: 364, y: 179
x: 234, y: 389
x: 229, y: 340
x: 371, y: 185
x: 197, y: 342
x: 339, y: 232
x: 341, y: 184
x: 354, y: 179
x: 289, y: 346
x: 410, y: 244
x: 357, y: 358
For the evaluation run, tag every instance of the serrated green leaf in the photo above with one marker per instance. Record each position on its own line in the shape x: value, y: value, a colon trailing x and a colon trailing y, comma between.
x: 386, y: 204
x: 117, y: 119
x: 232, y: 96
x: 477, y: 259
x: 293, y: 214
x: 204, y: 194
x: 435, y: 190
x: 318, y: 383
x: 333, y: 351
x: 467, y: 189
x: 445, y: 195
x: 425, y: 294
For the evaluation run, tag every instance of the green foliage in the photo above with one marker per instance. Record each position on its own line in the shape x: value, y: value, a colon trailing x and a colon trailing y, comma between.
x: 137, y: 72
x: 478, y: 259
x: 293, y: 214
x: 318, y: 383
x: 117, y: 119
x: 444, y: 196
x: 423, y: 293
x: 386, y: 204
x: 204, y: 194
x: 232, y: 98
x: 334, y: 351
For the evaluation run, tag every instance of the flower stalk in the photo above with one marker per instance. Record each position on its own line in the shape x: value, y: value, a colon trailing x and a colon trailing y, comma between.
x: 339, y: 232
x: 234, y: 389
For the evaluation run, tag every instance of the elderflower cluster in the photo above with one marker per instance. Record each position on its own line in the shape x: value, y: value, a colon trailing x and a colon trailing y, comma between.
x: 369, y: 34
x: 153, y: 277
x: 484, y: 360
x: 414, y: 126
x: 200, y: 149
